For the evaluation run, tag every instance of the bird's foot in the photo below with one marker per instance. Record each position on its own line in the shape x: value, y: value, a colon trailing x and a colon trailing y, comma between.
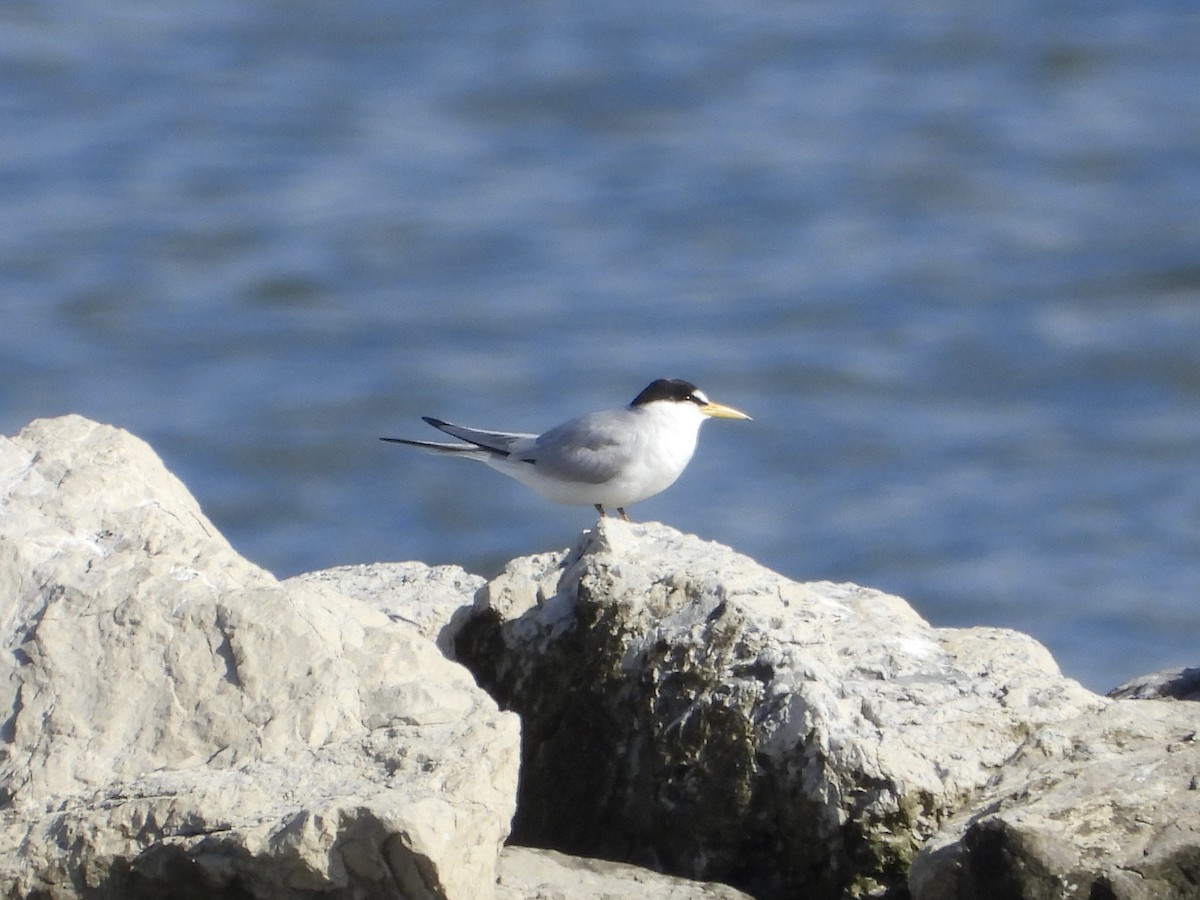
x: 620, y: 509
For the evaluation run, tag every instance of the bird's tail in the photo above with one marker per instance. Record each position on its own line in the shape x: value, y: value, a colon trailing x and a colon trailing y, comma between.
x: 469, y: 451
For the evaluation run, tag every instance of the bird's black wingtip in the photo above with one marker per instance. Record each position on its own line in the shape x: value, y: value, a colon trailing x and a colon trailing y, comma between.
x: 436, y: 423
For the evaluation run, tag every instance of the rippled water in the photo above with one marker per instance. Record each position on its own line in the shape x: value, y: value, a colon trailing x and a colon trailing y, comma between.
x: 946, y: 257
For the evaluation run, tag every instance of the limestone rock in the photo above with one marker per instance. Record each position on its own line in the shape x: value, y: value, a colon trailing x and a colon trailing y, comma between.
x: 1106, y: 805
x: 686, y: 709
x: 1169, y: 684
x: 176, y: 715
x: 529, y: 874
x: 435, y: 600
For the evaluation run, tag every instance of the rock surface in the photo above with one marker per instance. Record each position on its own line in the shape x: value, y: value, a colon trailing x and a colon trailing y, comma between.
x: 528, y: 874
x: 177, y: 716
x: 687, y: 709
x: 179, y: 723
x: 1169, y: 684
x: 1103, y: 807
x: 434, y: 600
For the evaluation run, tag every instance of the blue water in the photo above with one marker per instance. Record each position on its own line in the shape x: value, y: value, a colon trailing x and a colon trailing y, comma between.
x: 948, y: 257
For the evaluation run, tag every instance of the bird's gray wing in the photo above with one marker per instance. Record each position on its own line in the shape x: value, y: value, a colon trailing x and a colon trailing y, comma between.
x: 500, y: 442
x: 591, y: 450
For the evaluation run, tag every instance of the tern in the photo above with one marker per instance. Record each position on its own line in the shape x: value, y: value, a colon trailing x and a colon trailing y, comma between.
x: 611, y: 458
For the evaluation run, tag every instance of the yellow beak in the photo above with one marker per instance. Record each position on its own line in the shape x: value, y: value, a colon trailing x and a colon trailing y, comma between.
x: 721, y: 411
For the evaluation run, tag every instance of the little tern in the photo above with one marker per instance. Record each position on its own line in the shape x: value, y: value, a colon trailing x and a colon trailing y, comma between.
x: 612, y: 458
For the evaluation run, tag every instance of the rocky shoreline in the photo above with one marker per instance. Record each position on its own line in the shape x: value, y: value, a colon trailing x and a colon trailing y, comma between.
x: 183, y: 724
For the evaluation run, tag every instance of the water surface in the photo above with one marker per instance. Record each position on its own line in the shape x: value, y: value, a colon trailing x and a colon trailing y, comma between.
x: 947, y: 259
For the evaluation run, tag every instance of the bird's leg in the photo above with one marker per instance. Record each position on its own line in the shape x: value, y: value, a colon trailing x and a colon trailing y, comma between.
x: 621, y: 510
x: 600, y: 509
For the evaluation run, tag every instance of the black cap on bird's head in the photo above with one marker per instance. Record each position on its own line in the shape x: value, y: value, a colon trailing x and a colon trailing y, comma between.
x: 676, y: 390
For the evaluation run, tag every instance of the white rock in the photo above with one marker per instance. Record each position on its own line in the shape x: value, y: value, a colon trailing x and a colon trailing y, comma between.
x: 687, y: 709
x: 435, y: 600
x: 1105, y: 805
x: 175, y: 710
x: 529, y: 874
x: 1182, y: 683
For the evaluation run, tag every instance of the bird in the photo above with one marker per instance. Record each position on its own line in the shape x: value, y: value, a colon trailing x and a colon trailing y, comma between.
x: 611, y: 458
